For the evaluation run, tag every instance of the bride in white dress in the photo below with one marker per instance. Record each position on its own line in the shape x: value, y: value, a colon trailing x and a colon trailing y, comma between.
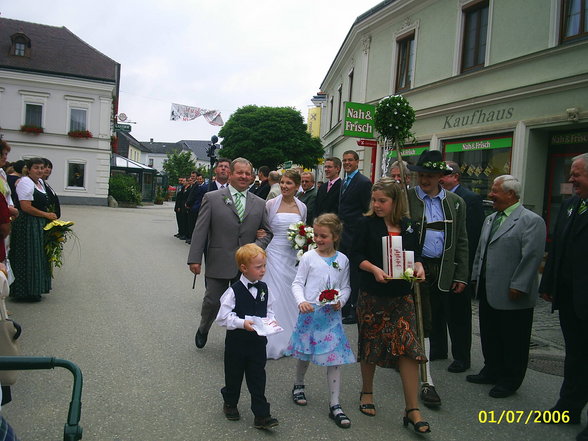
x: 282, y: 211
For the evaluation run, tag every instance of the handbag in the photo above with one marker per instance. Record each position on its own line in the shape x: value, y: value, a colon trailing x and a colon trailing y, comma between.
x: 9, y: 333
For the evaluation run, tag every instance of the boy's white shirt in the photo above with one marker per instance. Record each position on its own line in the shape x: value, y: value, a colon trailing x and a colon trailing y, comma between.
x: 227, y: 318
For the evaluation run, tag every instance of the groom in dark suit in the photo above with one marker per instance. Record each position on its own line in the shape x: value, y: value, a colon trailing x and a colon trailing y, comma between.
x: 229, y: 218
x: 356, y: 193
x: 564, y: 283
x: 327, y: 196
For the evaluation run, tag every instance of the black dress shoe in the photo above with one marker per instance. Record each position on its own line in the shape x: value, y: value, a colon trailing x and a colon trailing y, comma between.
x: 458, y: 366
x: 569, y: 417
x: 265, y: 422
x: 501, y: 391
x: 200, y: 339
x: 480, y: 379
x: 429, y: 396
x: 231, y: 412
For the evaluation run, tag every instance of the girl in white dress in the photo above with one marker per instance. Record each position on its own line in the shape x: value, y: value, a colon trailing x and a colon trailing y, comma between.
x: 319, y: 336
x: 282, y: 211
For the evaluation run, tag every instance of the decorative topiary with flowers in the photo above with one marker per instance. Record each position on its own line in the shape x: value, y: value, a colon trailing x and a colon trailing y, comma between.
x: 394, y: 118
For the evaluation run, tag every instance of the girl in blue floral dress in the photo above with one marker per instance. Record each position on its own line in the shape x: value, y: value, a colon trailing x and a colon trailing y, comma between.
x: 318, y: 335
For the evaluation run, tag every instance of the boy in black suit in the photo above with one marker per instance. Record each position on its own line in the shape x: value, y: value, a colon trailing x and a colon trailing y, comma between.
x: 245, y: 353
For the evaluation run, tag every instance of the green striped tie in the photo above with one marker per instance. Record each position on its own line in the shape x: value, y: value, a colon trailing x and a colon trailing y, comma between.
x: 239, y: 205
x: 583, y: 207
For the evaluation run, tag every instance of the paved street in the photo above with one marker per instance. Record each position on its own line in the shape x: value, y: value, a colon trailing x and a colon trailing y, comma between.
x: 122, y: 308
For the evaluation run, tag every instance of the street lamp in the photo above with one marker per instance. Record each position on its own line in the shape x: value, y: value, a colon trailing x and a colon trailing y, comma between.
x: 212, y: 146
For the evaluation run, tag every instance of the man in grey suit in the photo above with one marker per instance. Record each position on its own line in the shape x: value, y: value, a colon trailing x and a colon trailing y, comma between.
x: 308, y: 195
x: 228, y: 218
x: 505, y: 271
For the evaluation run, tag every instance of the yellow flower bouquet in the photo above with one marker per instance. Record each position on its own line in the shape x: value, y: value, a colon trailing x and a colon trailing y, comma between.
x: 56, y: 234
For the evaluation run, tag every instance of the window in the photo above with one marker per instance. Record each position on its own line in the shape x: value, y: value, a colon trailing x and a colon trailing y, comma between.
x: 34, y: 115
x: 574, y: 19
x: 77, y: 119
x: 405, y: 63
x: 150, y: 162
x: 339, y: 101
x: 474, y: 37
x: 331, y: 113
x: 350, y: 77
x: 19, y: 49
x: 76, y: 174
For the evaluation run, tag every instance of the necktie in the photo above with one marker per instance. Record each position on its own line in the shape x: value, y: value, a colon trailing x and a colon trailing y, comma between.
x: 329, y: 185
x: 345, y: 184
x: 496, y: 224
x: 583, y: 207
x: 256, y: 285
x: 239, y: 205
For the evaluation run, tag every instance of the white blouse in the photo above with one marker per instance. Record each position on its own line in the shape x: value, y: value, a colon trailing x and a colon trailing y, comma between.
x: 26, y: 187
x: 314, y: 276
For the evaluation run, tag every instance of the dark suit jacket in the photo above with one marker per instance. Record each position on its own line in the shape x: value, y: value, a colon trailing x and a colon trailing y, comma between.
x: 474, y: 218
x: 180, y: 198
x: 309, y: 199
x: 327, y: 202
x: 354, y: 202
x: 573, y: 227
x: 195, y: 196
x: 263, y: 190
x: 367, y: 245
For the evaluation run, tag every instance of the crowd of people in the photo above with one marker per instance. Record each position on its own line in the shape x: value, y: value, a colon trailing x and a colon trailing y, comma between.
x: 27, y: 204
x: 459, y: 254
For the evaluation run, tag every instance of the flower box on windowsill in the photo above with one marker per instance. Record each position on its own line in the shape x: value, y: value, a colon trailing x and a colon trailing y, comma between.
x: 31, y: 129
x: 80, y: 134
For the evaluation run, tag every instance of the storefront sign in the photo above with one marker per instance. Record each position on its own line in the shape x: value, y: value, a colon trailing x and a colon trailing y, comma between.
x: 569, y: 138
x: 478, y: 144
x: 367, y: 142
x: 414, y: 150
x: 478, y: 116
x: 359, y: 120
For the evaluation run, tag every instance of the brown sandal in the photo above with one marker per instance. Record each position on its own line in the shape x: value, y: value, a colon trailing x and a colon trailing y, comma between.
x: 368, y: 406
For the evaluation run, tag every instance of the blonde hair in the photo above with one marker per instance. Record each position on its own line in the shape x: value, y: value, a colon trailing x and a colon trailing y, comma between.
x: 393, y: 190
x: 333, y: 223
x: 246, y: 253
x: 293, y: 175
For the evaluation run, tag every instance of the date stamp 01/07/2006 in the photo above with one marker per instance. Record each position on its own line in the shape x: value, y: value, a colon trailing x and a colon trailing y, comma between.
x: 523, y: 416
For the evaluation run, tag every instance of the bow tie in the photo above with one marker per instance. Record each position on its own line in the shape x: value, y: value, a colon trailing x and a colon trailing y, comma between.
x: 257, y: 285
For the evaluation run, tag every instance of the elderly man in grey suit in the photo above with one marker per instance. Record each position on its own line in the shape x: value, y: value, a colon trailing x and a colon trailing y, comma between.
x: 505, y: 270
x: 228, y: 218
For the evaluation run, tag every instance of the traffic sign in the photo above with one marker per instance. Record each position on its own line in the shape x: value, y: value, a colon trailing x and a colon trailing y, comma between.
x: 122, y: 127
x: 367, y: 142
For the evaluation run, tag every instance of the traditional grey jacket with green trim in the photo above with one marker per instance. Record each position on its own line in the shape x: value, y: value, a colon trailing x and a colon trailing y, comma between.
x: 454, y: 262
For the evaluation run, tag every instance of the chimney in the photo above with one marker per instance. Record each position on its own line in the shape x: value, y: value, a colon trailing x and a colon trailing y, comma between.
x: 151, y: 140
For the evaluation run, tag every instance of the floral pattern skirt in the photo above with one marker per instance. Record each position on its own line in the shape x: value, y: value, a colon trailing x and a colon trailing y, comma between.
x: 319, y: 337
x: 387, y: 330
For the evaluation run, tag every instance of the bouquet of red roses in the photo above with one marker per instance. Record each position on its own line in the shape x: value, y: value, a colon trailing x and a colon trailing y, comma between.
x: 329, y: 296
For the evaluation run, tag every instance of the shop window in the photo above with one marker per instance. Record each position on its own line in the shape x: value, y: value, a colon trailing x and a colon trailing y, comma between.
x: 34, y: 115
x: 405, y: 63
x: 77, y: 119
x: 475, y: 33
x: 481, y: 160
x: 76, y: 173
x: 574, y: 19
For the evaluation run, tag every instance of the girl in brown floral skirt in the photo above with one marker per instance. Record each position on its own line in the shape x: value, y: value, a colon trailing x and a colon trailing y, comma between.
x: 385, y: 310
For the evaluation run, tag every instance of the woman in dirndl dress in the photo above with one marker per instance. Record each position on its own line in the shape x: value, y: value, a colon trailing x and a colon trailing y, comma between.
x: 385, y: 311
x: 32, y: 271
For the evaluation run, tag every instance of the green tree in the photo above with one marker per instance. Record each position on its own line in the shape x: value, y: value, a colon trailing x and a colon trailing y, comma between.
x: 269, y: 136
x: 178, y: 164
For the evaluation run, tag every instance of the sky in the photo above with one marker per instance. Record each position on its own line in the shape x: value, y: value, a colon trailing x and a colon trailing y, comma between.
x: 219, y: 55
